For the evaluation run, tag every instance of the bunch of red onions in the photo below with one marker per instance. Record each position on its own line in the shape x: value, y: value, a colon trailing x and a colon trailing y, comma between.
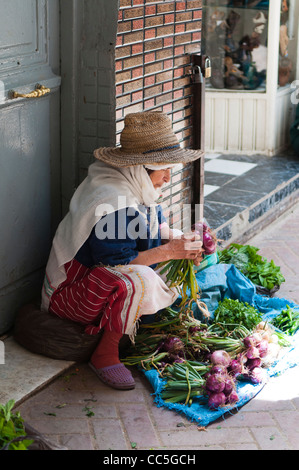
x: 220, y: 383
x: 248, y: 365
x: 209, y: 240
x: 222, y: 378
x: 256, y: 350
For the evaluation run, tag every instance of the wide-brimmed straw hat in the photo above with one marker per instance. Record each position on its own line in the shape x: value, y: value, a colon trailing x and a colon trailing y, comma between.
x: 147, y: 139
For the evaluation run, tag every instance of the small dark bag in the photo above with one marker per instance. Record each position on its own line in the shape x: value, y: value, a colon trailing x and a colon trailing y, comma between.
x: 49, y: 335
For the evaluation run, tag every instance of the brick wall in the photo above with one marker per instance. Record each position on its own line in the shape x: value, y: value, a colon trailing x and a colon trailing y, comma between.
x: 152, y: 59
x: 135, y: 55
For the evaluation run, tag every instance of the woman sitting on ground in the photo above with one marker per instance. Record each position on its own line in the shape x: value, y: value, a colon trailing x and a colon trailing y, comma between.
x: 100, y: 270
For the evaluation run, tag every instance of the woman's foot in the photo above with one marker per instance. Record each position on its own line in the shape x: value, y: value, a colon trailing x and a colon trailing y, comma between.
x: 106, y: 364
x: 116, y: 376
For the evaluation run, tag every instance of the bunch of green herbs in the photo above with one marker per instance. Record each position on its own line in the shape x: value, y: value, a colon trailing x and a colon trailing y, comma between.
x: 246, y: 258
x: 234, y: 312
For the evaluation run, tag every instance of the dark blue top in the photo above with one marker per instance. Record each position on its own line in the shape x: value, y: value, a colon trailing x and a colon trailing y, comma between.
x: 119, y: 237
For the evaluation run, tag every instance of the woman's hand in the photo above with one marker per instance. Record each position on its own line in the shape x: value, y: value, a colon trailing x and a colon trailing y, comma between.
x: 186, y: 247
x: 189, y: 246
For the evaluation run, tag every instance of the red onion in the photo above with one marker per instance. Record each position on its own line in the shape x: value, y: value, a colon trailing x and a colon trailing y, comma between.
x: 172, y: 344
x: 232, y: 398
x: 252, y: 363
x: 218, y: 370
x: 228, y: 386
x: 255, y: 376
x: 209, y: 244
x: 193, y: 329
x: 252, y: 352
x: 215, y: 383
x: 235, y: 367
x: 257, y: 338
x: 208, y: 240
x: 220, y: 358
x: 249, y: 341
x: 215, y: 400
x: 263, y: 348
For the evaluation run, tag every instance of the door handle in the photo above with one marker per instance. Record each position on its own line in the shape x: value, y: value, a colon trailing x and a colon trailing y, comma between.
x: 40, y: 90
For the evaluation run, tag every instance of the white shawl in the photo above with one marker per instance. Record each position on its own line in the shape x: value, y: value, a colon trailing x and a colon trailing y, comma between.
x: 105, y: 189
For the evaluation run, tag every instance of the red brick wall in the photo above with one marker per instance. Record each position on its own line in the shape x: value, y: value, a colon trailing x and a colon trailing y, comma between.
x: 154, y: 42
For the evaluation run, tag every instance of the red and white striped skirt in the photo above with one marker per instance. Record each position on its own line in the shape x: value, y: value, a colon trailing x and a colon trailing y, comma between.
x: 113, y: 298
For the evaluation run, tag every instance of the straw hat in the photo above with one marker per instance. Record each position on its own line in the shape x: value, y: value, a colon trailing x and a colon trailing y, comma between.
x: 147, y: 139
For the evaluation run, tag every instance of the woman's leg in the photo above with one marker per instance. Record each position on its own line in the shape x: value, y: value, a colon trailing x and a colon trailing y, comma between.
x: 112, y: 299
x: 107, y: 352
x: 101, y: 300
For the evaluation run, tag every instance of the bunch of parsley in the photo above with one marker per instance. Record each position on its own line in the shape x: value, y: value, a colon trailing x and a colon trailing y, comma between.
x: 234, y: 312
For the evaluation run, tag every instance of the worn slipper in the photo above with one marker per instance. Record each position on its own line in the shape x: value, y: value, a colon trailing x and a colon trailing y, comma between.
x: 116, y: 376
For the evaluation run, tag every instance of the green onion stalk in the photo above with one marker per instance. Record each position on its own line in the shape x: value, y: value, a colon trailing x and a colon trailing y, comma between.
x: 232, y: 330
x: 147, y: 362
x: 184, y: 382
x: 212, y: 342
x: 180, y: 274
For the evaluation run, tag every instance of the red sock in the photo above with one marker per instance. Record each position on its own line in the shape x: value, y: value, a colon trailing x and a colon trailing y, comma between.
x: 106, y: 353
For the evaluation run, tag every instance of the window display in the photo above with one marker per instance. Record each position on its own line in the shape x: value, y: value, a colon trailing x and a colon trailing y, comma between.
x: 235, y: 37
x: 285, y: 63
x: 253, y: 48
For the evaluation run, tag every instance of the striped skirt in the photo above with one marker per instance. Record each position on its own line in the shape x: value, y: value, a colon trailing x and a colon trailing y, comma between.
x: 113, y: 298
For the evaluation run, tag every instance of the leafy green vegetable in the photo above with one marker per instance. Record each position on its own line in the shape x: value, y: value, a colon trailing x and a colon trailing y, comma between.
x: 12, y: 430
x: 246, y: 258
x: 287, y: 321
x: 233, y: 312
